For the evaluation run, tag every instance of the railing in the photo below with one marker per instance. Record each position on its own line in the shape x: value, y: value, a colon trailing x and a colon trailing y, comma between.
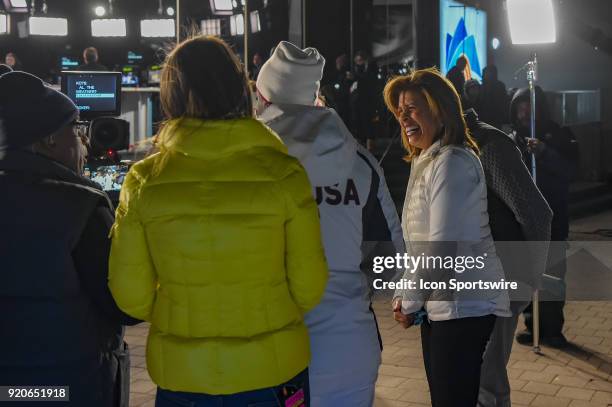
x: 575, y: 107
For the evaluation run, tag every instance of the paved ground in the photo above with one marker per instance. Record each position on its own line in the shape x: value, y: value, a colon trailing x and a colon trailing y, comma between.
x: 578, y: 377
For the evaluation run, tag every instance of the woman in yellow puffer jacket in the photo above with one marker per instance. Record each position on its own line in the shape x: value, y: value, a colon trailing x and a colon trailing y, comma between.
x: 217, y: 244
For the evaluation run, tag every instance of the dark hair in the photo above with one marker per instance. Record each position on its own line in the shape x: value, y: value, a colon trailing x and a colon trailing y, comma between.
x: 443, y: 101
x: 90, y: 54
x: 462, y: 61
x: 203, y: 78
x: 492, y: 69
x: 362, y: 54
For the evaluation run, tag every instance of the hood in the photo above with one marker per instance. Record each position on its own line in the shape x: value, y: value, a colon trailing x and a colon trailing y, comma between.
x: 317, y: 137
x: 542, y: 114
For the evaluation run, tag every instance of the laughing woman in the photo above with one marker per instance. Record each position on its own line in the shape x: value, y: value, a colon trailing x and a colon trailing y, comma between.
x: 445, y: 214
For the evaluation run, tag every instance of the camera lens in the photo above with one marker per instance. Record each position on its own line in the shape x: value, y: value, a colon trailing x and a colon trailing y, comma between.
x: 108, y: 133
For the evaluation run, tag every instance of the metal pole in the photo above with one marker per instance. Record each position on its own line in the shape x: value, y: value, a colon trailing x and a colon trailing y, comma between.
x: 532, y: 74
x: 178, y: 21
x: 352, y: 43
x: 303, y: 23
x: 246, y: 37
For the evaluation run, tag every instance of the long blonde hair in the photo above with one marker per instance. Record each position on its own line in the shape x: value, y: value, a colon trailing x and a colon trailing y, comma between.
x: 443, y: 101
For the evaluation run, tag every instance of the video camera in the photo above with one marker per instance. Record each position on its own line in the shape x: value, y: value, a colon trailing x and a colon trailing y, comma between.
x: 98, y: 97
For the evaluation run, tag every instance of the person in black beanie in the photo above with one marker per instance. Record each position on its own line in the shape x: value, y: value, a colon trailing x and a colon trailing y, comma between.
x: 556, y: 157
x: 60, y: 325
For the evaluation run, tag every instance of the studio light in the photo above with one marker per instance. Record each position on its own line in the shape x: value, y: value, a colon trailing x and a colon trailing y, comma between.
x: 222, y: 7
x: 100, y: 11
x: 16, y: 6
x: 170, y: 11
x: 495, y: 43
x: 48, y: 26
x: 255, y: 22
x: 531, y: 21
x: 116, y: 27
x: 3, y: 24
x: 237, y: 24
x: 211, y: 27
x: 157, y: 28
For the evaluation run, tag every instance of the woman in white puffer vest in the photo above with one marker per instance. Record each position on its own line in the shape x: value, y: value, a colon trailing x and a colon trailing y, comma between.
x: 445, y: 217
x: 355, y: 209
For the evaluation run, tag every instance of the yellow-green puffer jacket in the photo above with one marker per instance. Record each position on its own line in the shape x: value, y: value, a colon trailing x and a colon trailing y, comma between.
x: 217, y: 244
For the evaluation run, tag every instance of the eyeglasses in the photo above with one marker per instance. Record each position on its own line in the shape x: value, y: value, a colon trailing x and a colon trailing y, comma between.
x: 81, y: 130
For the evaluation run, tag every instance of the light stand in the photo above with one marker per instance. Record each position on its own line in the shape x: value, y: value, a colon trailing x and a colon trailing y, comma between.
x: 245, y: 5
x: 532, y: 22
x: 178, y: 21
x: 532, y: 76
x: 531, y: 69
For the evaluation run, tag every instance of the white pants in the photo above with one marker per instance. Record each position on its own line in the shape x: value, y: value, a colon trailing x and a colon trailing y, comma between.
x: 363, y: 397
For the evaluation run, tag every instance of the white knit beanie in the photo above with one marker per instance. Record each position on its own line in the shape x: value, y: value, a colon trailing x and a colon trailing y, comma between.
x: 291, y: 75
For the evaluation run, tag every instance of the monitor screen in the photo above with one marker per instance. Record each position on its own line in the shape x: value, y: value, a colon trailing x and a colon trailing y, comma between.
x: 95, y: 93
x: 130, y: 76
x: 69, y: 63
x: 463, y: 31
x: 154, y: 75
x: 109, y: 177
x: 134, y: 57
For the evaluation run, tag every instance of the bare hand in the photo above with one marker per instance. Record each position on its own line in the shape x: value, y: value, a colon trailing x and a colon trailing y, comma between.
x: 404, y: 320
x: 534, y: 146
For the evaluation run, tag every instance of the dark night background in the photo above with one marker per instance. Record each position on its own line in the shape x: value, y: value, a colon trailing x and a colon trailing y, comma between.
x: 329, y: 31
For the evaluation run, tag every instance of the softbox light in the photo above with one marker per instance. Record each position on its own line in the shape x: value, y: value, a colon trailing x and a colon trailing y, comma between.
x: 3, y: 24
x: 221, y: 7
x: 211, y: 27
x: 237, y: 24
x: 48, y: 26
x: 16, y: 6
x: 108, y: 28
x: 255, y: 22
x: 531, y: 21
x: 164, y: 27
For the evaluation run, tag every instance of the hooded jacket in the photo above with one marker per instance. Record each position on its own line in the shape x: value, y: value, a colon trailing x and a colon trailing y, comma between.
x: 356, y: 211
x: 556, y: 163
x: 217, y: 243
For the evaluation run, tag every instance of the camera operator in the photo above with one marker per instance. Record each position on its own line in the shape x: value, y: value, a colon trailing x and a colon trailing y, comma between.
x: 60, y: 325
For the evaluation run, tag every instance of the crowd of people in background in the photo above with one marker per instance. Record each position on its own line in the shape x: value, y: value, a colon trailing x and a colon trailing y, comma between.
x: 241, y: 240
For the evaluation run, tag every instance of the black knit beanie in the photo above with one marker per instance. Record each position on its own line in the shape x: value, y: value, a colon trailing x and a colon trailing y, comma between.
x: 30, y: 110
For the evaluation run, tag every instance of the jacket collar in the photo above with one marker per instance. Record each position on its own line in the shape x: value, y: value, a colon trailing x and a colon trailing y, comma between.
x: 432, y: 150
x: 318, y: 126
x: 39, y: 165
x: 212, y: 139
